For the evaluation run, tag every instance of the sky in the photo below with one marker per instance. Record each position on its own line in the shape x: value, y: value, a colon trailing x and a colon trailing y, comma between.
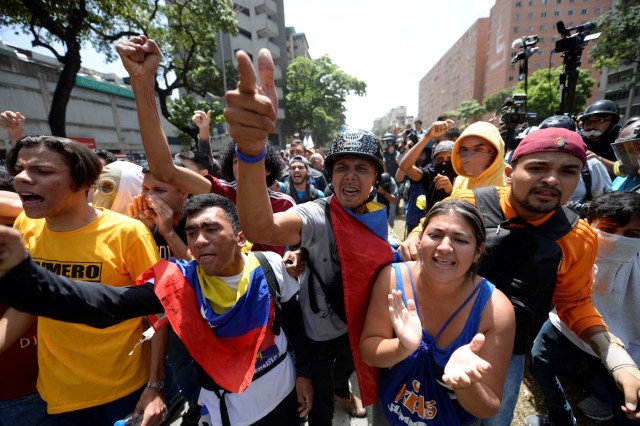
x: 388, y: 45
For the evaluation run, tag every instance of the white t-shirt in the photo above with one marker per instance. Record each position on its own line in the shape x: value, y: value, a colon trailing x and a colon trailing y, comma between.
x: 264, y: 394
x: 600, y: 181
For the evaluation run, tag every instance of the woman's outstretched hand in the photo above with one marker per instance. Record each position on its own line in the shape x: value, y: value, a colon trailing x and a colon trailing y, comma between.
x: 405, y: 321
x: 465, y: 367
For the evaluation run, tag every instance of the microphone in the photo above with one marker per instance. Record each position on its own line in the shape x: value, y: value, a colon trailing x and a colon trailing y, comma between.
x: 517, y: 43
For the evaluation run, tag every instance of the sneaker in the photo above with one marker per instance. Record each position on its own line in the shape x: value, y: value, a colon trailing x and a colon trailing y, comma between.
x: 352, y: 405
x: 595, y: 409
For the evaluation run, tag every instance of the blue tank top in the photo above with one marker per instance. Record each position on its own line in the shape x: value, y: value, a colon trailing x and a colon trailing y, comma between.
x: 411, y: 391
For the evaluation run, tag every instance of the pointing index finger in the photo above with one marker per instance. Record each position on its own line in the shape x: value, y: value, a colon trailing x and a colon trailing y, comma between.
x: 246, y: 74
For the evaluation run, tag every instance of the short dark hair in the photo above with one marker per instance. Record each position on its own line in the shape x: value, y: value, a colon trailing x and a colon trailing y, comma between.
x: 272, y: 163
x: 452, y: 134
x: 618, y: 206
x: 199, y: 202
x: 84, y: 164
x: 106, y: 155
x: 6, y: 180
x: 201, y: 159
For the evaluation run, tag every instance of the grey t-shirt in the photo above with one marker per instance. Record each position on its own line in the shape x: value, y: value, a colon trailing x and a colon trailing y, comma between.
x: 317, y: 237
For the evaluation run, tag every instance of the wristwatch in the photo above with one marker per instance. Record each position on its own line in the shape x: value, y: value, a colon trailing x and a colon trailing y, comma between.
x: 159, y: 385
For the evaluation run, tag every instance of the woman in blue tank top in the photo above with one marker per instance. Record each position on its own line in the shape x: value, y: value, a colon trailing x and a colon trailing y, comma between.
x: 442, y: 335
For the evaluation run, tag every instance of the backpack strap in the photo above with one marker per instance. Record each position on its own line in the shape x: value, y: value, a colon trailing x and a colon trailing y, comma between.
x: 488, y: 202
x: 274, y: 290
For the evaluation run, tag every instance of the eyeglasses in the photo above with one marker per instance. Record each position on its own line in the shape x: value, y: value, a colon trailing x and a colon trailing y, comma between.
x: 595, y: 120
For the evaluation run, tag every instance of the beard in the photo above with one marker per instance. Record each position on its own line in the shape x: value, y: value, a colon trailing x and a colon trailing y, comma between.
x: 531, y: 203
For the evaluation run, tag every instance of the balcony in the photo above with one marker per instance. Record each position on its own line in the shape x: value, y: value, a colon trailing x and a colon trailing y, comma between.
x: 266, y: 6
x: 266, y: 27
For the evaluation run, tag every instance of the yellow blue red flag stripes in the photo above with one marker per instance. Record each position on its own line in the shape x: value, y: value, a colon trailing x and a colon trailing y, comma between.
x: 224, y: 344
x: 363, y: 252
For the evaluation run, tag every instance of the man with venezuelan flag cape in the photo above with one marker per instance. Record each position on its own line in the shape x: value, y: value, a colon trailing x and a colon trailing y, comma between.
x: 219, y: 304
x: 345, y: 235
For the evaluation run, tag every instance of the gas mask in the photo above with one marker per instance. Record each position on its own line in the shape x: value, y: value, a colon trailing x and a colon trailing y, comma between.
x: 118, y: 183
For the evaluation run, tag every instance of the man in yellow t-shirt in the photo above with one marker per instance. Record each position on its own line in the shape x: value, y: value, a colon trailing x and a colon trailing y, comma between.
x: 86, y: 375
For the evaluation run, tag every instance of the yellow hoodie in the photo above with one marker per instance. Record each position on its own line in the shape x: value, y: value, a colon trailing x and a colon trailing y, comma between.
x: 494, y: 174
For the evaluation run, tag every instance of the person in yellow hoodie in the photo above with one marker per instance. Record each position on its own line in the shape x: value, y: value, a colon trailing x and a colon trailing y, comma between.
x: 478, y: 157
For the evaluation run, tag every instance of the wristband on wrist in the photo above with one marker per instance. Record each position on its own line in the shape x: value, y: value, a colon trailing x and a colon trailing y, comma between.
x: 249, y: 159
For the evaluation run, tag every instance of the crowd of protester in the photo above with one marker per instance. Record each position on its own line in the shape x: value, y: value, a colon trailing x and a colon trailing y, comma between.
x: 247, y: 287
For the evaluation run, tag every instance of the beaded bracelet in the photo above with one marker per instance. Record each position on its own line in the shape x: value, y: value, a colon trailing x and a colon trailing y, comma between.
x: 249, y: 159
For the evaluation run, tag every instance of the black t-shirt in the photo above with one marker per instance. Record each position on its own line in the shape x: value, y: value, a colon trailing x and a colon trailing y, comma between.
x: 603, y: 147
x: 163, y: 247
x: 432, y: 194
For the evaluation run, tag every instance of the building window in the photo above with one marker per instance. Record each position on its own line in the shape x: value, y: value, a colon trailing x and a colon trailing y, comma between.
x: 543, y: 14
x: 511, y: 78
x: 516, y: 29
x: 598, y: 10
x: 530, y: 15
x: 543, y: 27
x: 545, y: 1
x: 517, y: 17
x: 530, y: 28
x: 538, y: 64
x: 532, y: 2
x: 556, y: 13
x: 584, y: 11
x: 245, y: 33
x: 539, y: 52
x: 558, y: 1
x: 518, y: 4
x: 570, y: 12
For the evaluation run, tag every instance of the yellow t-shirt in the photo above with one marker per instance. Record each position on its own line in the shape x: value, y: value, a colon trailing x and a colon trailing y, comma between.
x: 82, y: 366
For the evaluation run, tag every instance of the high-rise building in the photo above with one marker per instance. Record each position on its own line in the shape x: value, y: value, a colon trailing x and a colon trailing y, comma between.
x: 297, y: 45
x: 448, y: 83
x: 260, y: 25
x: 457, y: 76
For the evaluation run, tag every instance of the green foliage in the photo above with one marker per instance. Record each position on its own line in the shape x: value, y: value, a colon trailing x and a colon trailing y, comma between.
x: 543, y: 91
x: 185, y: 30
x: 316, y: 92
x: 469, y: 110
x: 182, y: 111
x: 619, y: 43
x: 495, y: 100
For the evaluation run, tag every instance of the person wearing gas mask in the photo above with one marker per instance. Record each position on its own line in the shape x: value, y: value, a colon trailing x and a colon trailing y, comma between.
x: 118, y: 184
x: 627, y: 151
x: 599, y: 128
x: 478, y: 157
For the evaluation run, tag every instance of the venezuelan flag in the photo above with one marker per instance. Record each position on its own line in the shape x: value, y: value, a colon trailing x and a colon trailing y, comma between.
x: 223, y: 328
x: 363, y: 249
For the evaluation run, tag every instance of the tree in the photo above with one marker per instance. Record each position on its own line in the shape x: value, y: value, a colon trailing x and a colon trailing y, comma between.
x: 494, y: 101
x: 469, y: 110
x: 316, y: 92
x: 619, y: 43
x: 100, y: 23
x: 543, y: 85
x: 182, y: 109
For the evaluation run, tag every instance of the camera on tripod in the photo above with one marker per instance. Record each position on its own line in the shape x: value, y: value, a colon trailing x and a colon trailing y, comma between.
x: 572, y: 42
x: 510, y: 111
